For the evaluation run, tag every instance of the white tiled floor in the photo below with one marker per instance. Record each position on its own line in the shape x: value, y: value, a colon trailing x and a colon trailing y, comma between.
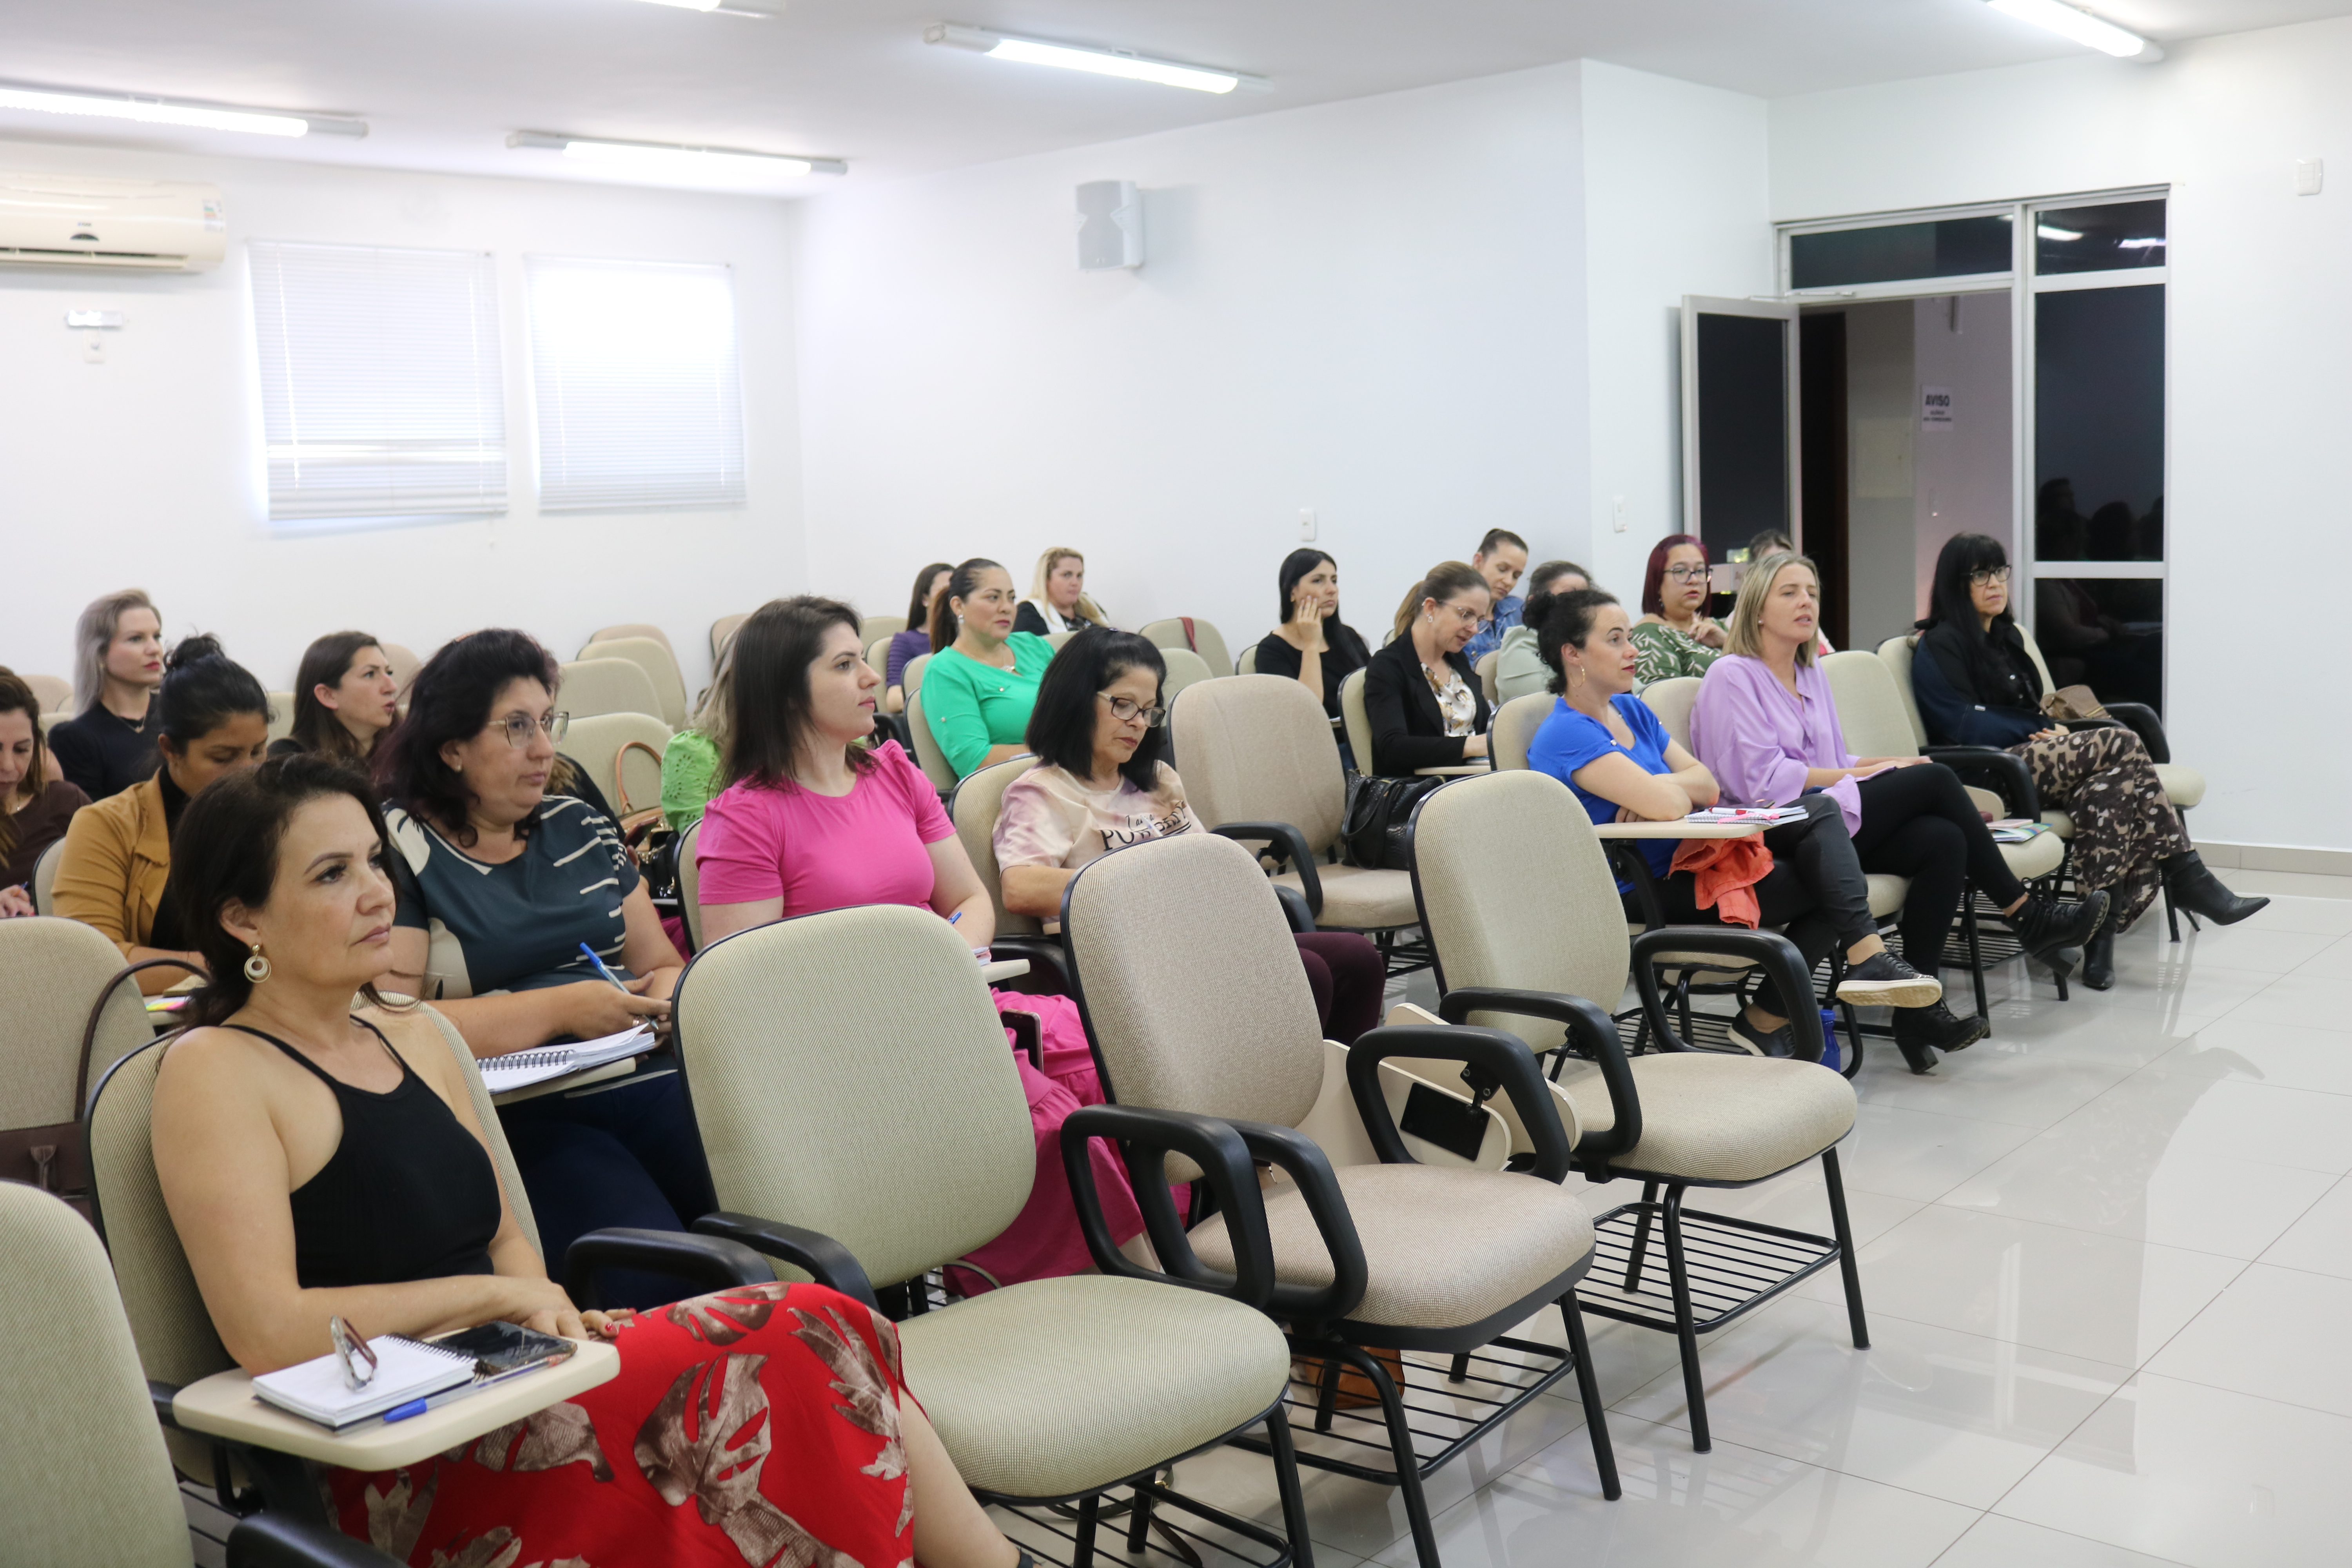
x: 2106, y: 1255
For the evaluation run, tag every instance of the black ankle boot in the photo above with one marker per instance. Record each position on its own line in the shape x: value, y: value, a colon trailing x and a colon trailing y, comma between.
x: 2198, y: 891
x: 2043, y: 926
x: 2099, y: 959
x: 1921, y: 1032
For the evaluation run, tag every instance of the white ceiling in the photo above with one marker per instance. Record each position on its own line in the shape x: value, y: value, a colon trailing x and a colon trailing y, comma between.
x: 442, y: 82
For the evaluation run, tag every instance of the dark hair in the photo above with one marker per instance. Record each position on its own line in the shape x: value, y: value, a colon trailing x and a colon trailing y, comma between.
x: 767, y: 688
x: 224, y: 851
x: 1654, y: 576
x: 918, y: 610
x: 203, y: 688
x: 961, y: 585
x: 1531, y: 613
x: 1567, y: 622
x: 1062, y: 724
x: 1295, y: 567
x: 1501, y: 536
x: 325, y: 663
x: 1441, y: 582
x: 1770, y: 542
x: 17, y: 696
x: 1949, y: 602
x: 450, y: 700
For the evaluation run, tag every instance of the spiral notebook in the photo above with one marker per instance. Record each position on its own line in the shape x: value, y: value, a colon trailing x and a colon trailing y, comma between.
x: 405, y: 1370
x: 521, y: 1069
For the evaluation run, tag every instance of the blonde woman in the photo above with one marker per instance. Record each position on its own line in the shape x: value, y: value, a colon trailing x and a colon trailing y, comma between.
x: 1058, y: 601
x: 110, y: 743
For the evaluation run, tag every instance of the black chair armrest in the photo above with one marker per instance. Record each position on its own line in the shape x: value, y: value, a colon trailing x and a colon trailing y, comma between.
x: 1145, y: 1137
x: 1592, y: 1034
x: 1290, y: 844
x: 2012, y: 780
x: 1295, y: 909
x: 1303, y: 1160
x: 822, y: 1258
x: 2141, y: 720
x: 1775, y: 953
x: 275, y: 1540
x: 1626, y: 859
x: 706, y: 1259
x: 160, y: 1395
x: 1049, y: 965
x: 1492, y: 1061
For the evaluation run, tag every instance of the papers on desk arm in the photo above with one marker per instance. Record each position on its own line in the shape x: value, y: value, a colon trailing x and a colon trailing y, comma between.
x: 523, y: 1068
x: 1731, y: 815
x: 2015, y: 829
x: 406, y: 1370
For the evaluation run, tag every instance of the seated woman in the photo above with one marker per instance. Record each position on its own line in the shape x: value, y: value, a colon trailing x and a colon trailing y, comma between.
x: 1776, y: 542
x: 1605, y: 744
x: 1767, y: 727
x: 1058, y: 601
x: 109, y: 743
x: 689, y: 770
x: 211, y: 717
x: 1519, y: 668
x: 502, y: 886
x: 1501, y: 559
x: 320, y: 1163
x: 1675, y: 636
x: 1975, y: 685
x: 35, y: 806
x: 345, y: 698
x: 1099, y: 732
x: 986, y: 670
x: 1420, y: 695
x: 1312, y: 645
x: 811, y: 820
x: 915, y: 640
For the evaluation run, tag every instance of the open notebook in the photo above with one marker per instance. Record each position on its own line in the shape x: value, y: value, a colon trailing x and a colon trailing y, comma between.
x: 405, y: 1370
x: 521, y: 1069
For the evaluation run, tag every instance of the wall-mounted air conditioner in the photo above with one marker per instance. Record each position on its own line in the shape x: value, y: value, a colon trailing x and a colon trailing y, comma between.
x: 80, y: 220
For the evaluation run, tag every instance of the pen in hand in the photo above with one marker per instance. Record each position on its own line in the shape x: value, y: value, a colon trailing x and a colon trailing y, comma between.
x: 599, y: 963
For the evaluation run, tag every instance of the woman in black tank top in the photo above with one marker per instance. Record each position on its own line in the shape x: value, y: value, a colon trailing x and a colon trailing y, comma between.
x: 402, y: 1227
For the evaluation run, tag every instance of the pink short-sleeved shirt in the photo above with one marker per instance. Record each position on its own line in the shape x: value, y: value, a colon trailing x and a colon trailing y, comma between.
x: 824, y: 852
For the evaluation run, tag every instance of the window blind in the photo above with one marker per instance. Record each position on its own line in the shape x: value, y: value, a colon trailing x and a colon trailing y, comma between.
x: 381, y: 393
x: 633, y: 369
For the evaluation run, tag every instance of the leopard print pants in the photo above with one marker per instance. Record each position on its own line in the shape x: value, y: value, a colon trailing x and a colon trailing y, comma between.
x: 2123, y: 823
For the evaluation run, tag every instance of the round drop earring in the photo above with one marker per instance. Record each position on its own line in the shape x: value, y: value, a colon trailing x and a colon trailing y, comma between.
x: 257, y: 968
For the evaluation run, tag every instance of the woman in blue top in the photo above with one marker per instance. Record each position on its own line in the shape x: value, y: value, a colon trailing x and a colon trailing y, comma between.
x: 980, y: 685
x: 1604, y: 743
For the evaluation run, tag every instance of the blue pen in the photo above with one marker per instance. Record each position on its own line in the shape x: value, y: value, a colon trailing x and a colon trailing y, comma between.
x: 955, y: 917
x: 600, y: 966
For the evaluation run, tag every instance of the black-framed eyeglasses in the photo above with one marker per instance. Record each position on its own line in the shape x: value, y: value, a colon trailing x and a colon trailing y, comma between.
x: 1127, y: 711
x: 1990, y: 574
x: 520, y: 727
x: 1684, y: 573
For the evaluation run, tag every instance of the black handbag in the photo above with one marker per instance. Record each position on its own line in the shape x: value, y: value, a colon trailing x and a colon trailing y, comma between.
x: 1378, y: 828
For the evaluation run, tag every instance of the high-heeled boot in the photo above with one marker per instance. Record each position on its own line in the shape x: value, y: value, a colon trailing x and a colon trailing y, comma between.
x: 2043, y: 925
x: 2099, y: 959
x: 2198, y: 891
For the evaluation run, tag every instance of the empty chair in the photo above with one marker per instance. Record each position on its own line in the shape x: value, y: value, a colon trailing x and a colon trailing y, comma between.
x: 1515, y: 726
x: 722, y: 631
x: 405, y: 666
x: 878, y: 654
x: 1672, y: 700
x: 621, y: 754
x: 52, y: 975
x: 1247, y: 663
x: 607, y: 686
x: 1194, y: 634
x: 974, y: 807
x: 910, y: 678
x: 689, y: 884
x: 928, y: 755
x: 45, y: 878
x: 1485, y: 671
x: 661, y: 668
x: 55, y: 692
x: 879, y: 628
x: 629, y: 629
x: 1185, y: 669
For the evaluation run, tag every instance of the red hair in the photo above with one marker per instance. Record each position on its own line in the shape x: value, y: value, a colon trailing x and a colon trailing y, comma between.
x: 1655, y: 578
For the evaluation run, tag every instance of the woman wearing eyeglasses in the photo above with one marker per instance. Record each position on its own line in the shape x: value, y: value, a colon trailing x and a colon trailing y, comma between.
x: 500, y: 883
x: 1675, y: 636
x: 1977, y: 686
x: 1421, y: 694
x: 1099, y: 731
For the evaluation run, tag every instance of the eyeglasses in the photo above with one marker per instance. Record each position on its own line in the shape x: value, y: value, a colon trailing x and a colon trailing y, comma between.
x: 520, y: 727
x: 1994, y: 575
x: 1127, y: 711
x: 357, y: 1356
x: 1684, y: 573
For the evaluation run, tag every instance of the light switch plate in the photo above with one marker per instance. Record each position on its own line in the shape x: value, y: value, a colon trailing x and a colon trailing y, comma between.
x: 1617, y: 514
x: 1306, y: 525
x: 2310, y: 176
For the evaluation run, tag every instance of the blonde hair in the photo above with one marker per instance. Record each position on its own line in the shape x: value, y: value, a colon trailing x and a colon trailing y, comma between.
x: 94, y: 633
x: 1746, y: 633
x: 1046, y: 565
x: 1441, y: 582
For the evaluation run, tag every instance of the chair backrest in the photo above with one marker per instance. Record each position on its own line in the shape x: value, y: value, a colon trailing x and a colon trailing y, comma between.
x: 1514, y: 890
x: 689, y: 883
x: 281, y: 714
x: 405, y: 666
x: 630, y: 629
x: 1356, y: 721
x: 607, y: 686
x: 1185, y: 669
x: 84, y: 1476
x: 1207, y: 641
x: 1486, y: 670
x: 978, y: 801
x: 2033, y: 652
x: 45, y: 878
x: 53, y: 691
x: 1869, y: 708
x: 869, y: 1097
x: 1191, y: 988
x: 1247, y: 663
x: 1897, y: 653
x: 910, y: 678
x: 1056, y: 639
x: 928, y: 755
x: 660, y: 666
x: 1672, y: 701
x: 722, y: 631
x: 629, y: 775
x: 878, y: 654
x: 1259, y: 748
x: 881, y: 626
x: 52, y: 972
x: 1515, y: 726
x: 50, y: 721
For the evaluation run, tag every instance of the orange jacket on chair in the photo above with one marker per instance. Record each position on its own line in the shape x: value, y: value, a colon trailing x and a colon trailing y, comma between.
x: 1724, y: 869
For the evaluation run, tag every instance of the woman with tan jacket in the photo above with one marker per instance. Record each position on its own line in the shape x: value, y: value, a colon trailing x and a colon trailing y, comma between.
x: 213, y: 718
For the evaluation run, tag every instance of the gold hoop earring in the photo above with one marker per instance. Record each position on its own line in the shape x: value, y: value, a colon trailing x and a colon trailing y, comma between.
x: 257, y: 968
x: 1577, y: 681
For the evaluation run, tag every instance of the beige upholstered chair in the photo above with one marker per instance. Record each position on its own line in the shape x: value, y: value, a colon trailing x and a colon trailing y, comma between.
x: 1355, y: 722
x: 1395, y: 1254
x: 630, y: 629
x: 621, y: 754
x: 52, y: 974
x: 1247, y: 663
x: 1185, y: 669
x: 51, y: 720
x: 1485, y: 671
x: 974, y: 807
x: 1672, y: 701
x: 1206, y: 640
x: 878, y: 654
x: 45, y: 878
x: 405, y: 666
x: 660, y: 666
x: 722, y: 631
x: 54, y: 693
x: 1515, y: 726
x: 1522, y: 910
x: 928, y: 754
x: 607, y: 686
x: 910, y: 678
x: 880, y: 628
x: 1051, y: 1389
x: 1056, y: 639
x: 689, y: 884
x: 281, y: 714
x: 1261, y: 766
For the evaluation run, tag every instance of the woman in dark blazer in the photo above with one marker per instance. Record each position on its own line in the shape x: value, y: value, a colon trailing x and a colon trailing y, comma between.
x: 1421, y: 693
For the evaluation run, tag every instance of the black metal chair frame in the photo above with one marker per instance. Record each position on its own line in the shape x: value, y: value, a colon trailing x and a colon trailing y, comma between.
x: 1286, y: 844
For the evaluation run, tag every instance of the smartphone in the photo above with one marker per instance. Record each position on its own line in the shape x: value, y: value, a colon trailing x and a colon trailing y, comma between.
x: 501, y: 1350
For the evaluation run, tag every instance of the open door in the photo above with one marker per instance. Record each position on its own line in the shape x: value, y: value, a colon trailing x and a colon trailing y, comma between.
x: 1741, y: 472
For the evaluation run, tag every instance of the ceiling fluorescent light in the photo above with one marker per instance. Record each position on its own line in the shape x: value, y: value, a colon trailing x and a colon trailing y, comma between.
x: 663, y: 155
x: 2052, y: 231
x: 1102, y: 62
x: 2083, y: 28
x: 196, y: 116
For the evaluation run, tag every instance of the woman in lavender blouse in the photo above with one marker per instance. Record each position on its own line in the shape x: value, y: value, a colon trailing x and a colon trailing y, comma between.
x: 1766, y: 726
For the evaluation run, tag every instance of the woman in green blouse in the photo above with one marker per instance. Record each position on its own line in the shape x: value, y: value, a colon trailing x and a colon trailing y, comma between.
x: 979, y: 687
x: 1675, y: 636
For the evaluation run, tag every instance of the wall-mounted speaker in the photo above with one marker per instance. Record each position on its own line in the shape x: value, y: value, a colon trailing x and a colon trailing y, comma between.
x: 1110, y: 225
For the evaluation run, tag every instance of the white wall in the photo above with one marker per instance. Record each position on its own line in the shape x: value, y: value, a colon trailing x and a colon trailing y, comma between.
x: 2260, y: 318
x: 1373, y: 308
x: 146, y: 470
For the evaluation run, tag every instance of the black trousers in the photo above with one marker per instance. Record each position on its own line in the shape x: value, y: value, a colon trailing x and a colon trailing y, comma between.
x: 1919, y: 822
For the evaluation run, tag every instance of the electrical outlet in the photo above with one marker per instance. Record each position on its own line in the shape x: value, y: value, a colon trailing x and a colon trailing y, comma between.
x: 93, y: 348
x: 1617, y: 514
x: 1306, y: 525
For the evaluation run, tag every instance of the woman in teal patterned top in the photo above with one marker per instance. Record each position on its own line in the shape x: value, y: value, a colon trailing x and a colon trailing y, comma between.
x: 979, y: 687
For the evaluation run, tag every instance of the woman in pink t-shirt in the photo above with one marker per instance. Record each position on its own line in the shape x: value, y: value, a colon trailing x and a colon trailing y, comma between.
x: 811, y: 820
